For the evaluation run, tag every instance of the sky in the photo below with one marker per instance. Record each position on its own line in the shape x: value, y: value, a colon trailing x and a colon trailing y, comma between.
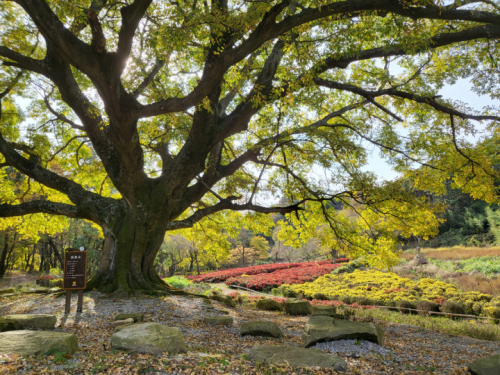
x: 459, y: 91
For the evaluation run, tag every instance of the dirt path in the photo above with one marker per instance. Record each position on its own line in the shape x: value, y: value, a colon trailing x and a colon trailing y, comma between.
x: 12, y: 279
x: 221, y: 349
x: 226, y: 290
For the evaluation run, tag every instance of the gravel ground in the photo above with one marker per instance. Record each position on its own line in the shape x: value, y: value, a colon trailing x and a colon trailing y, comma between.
x: 407, y: 349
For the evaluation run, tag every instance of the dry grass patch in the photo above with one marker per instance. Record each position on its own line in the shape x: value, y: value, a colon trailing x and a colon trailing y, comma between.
x: 477, y: 283
x: 456, y: 252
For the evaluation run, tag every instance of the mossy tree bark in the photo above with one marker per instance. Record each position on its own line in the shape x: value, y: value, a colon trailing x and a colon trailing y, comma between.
x: 243, y: 69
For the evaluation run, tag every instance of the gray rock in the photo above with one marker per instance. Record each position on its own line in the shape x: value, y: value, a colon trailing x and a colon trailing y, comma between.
x: 136, y: 316
x: 486, y: 366
x: 150, y: 338
x: 119, y: 328
x: 269, y: 305
x: 224, y: 299
x: 37, y: 342
x: 120, y: 293
x: 419, y: 259
x: 324, y: 310
x: 117, y: 323
x: 298, y: 307
x: 9, y: 325
x: 296, y: 357
x: 218, y: 320
x: 44, y: 321
x: 8, y: 290
x: 323, y: 328
x: 261, y: 328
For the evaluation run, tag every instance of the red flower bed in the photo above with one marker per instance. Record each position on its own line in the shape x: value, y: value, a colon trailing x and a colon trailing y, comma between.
x: 220, y: 276
x: 298, y: 275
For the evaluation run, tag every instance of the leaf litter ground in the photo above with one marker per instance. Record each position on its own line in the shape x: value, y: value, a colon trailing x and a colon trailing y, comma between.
x: 220, y: 349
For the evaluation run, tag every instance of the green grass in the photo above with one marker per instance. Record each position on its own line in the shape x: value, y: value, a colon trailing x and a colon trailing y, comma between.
x: 487, y: 265
x: 178, y: 281
x: 484, y: 330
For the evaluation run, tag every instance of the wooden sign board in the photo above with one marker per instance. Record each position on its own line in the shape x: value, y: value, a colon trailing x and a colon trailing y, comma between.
x: 75, y: 269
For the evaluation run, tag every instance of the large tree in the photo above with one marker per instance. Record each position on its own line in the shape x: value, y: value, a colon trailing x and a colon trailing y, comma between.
x: 147, y: 116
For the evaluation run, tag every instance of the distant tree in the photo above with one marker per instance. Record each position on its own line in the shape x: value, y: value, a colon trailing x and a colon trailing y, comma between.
x: 145, y: 116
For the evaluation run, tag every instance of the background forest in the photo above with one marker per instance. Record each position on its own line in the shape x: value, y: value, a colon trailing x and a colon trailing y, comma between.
x: 37, y: 243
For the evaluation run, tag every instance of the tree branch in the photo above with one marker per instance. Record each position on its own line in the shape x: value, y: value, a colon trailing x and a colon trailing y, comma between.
x: 151, y: 76
x: 228, y: 205
x: 402, y: 94
x: 131, y: 16
x: 41, y: 206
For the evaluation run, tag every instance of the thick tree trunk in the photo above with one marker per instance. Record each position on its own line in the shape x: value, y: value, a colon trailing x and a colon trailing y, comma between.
x: 127, y: 261
x: 3, y: 255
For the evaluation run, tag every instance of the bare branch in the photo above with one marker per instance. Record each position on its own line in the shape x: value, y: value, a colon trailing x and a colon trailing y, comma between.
x: 228, y: 205
x: 60, y: 116
x: 151, y: 76
x: 398, y: 93
x: 131, y: 16
x: 41, y: 206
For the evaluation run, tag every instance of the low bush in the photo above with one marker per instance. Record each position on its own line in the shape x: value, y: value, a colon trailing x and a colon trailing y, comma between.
x: 223, y: 275
x: 178, y: 281
x: 404, y: 305
x: 387, y: 288
x: 427, y: 306
x: 44, y: 280
x: 452, y: 307
x: 268, y: 281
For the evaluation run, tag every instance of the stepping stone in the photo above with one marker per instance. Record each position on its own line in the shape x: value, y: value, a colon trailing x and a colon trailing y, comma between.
x: 9, y: 325
x: 37, y: 342
x: 324, y: 310
x: 7, y: 291
x: 44, y: 321
x: 324, y: 328
x: 486, y: 366
x: 296, y: 357
x: 224, y: 299
x: 149, y: 338
x: 269, y: 305
x: 137, y: 317
x: 119, y: 328
x: 298, y: 307
x: 117, y: 323
x: 261, y: 328
x: 218, y: 320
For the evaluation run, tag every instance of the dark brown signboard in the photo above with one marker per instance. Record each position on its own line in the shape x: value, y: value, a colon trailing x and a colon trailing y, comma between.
x: 75, y: 269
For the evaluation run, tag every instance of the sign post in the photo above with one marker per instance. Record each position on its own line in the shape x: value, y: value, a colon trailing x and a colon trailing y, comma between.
x: 75, y: 275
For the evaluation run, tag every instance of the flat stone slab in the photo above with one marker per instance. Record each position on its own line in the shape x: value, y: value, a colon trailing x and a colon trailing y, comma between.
x: 324, y: 310
x: 117, y: 323
x: 228, y: 301
x: 296, y: 357
x: 261, y: 328
x: 269, y: 305
x: 298, y: 307
x: 136, y: 316
x: 218, y: 320
x: 37, y: 342
x: 9, y: 325
x: 324, y: 328
x: 43, y: 321
x: 149, y: 338
x: 486, y: 366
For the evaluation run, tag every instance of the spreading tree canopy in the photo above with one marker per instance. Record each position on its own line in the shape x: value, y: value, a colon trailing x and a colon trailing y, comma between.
x: 146, y: 116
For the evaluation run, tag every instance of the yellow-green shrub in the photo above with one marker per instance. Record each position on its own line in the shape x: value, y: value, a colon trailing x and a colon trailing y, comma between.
x: 388, y: 288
